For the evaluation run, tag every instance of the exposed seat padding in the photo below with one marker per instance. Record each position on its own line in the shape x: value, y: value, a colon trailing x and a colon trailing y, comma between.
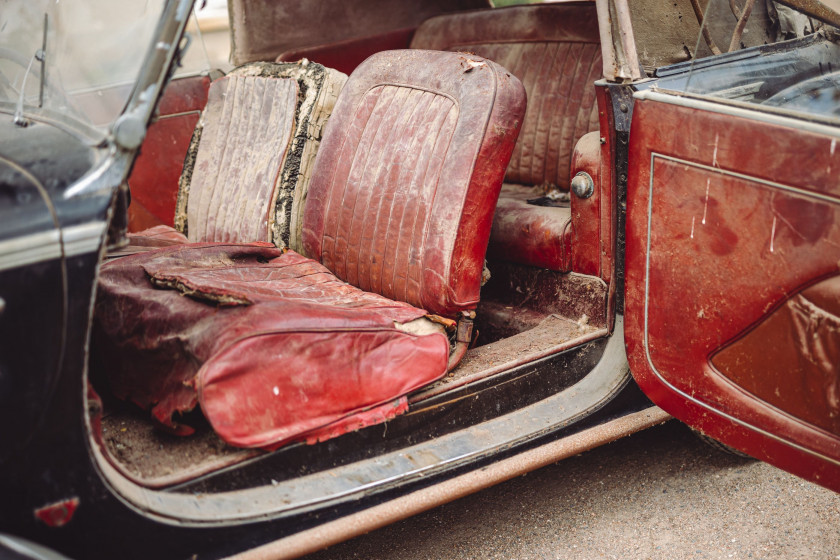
x: 554, y: 49
x: 250, y: 159
x: 277, y: 347
x: 537, y: 235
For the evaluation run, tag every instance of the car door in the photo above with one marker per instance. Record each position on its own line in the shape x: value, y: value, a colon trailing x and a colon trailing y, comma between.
x: 733, y: 251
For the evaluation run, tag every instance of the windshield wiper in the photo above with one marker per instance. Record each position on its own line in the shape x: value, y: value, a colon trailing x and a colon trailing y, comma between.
x: 41, y: 56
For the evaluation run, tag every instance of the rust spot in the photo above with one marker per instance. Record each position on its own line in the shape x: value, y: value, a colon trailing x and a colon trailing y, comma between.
x: 57, y: 514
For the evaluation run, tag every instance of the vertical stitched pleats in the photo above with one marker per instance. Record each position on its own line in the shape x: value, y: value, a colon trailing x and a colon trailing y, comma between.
x: 248, y: 124
x: 558, y: 78
x: 376, y: 220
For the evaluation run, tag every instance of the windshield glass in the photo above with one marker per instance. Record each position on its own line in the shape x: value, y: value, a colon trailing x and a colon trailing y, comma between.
x: 763, y: 53
x: 70, y: 59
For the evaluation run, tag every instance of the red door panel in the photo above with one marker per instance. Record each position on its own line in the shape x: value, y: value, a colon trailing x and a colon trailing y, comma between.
x: 154, y: 179
x: 733, y: 247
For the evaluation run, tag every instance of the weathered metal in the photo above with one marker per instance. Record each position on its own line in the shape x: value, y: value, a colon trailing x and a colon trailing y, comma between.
x: 707, y: 206
x: 334, y: 532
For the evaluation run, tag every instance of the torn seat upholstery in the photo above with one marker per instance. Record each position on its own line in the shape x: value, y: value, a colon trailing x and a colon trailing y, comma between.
x: 555, y: 50
x: 250, y: 158
x: 277, y: 347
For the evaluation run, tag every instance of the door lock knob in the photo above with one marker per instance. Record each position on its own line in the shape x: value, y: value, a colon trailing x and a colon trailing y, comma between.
x: 582, y: 185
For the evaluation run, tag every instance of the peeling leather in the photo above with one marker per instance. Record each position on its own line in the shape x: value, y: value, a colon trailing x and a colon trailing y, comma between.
x: 273, y: 115
x: 297, y: 352
x: 165, y: 351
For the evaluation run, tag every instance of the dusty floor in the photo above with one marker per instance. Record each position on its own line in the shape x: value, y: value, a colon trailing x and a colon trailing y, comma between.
x: 659, y: 494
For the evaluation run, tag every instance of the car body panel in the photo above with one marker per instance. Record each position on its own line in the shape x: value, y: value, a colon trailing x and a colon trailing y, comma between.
x: 741, y: 211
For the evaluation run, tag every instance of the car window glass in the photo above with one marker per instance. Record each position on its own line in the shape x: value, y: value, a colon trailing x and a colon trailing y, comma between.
x: 94, y: 51
x: 195, y: 59
x: 763, y: 53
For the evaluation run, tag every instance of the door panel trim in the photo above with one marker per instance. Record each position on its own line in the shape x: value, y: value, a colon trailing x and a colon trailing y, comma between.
x: 754, y: 114
x: 662, y: 379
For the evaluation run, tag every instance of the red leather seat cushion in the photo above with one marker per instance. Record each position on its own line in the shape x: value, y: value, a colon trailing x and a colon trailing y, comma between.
x: 273, y: 346
x: 407, y: 176
x: 534, y: 235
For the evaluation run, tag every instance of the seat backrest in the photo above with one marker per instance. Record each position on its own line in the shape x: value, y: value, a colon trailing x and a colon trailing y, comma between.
x: 555, y: 50
x: 408, y: 174
x: 250, y: 157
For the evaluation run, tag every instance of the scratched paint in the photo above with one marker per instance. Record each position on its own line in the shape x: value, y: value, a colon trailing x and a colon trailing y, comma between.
x: 714, y: 155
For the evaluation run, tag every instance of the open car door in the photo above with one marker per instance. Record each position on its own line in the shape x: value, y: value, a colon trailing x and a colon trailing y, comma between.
x: 733, y: 248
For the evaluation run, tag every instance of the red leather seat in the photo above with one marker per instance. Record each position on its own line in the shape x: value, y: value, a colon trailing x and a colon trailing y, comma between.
x: 555, y: 50
x: 277, y: 347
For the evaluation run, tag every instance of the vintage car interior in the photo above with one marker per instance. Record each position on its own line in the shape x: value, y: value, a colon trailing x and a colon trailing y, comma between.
x: 402, y: 243
x: 262, y: 166
x: 547, y: 273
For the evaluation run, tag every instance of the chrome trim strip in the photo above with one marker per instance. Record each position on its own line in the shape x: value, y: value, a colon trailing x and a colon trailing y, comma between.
x: 46, y: 245
x: 30, y: 249
x: 752, y: 114
x: 780, y: 186
x: 83, y: 239
x: 655, y: 371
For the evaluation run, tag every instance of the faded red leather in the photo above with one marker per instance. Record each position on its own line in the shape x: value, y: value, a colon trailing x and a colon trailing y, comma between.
x: 274, y: 346
x: 158, y: 236
x: 407, y: 177
x: 148, y: 239
x: 555, y: 50
x: 261, y: 331
x: 528, y: 234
